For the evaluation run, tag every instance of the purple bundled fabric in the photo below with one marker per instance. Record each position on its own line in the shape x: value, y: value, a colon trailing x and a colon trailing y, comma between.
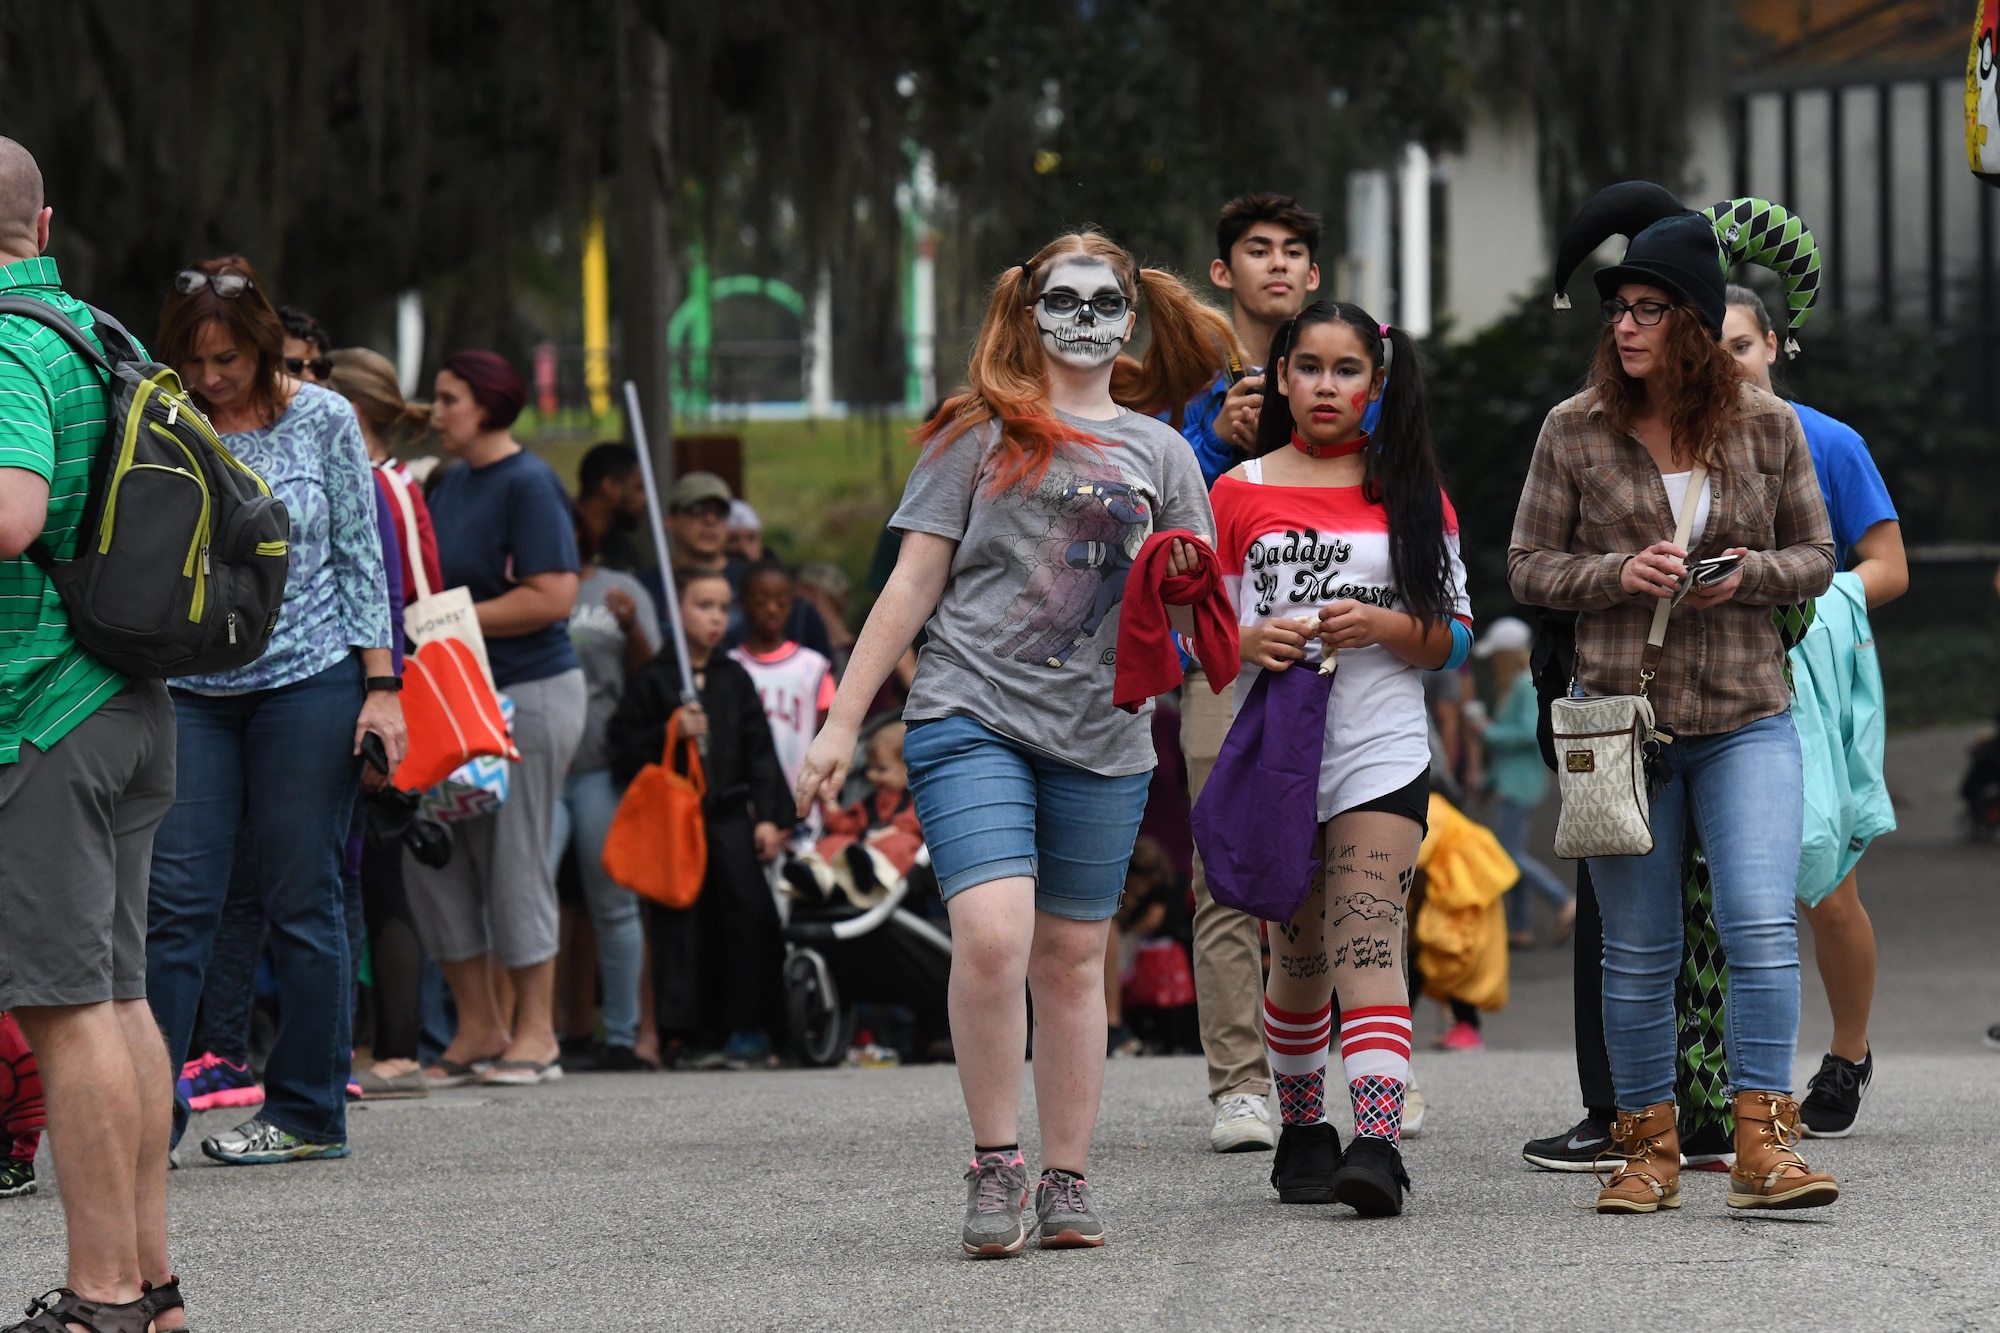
x: 1258, y: 815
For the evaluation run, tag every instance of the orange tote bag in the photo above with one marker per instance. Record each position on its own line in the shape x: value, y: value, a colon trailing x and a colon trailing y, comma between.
x: 451, y: 713
x: 658, y: 844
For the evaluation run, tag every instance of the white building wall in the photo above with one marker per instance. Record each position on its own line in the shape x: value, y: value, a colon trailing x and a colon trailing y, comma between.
x: 1494, y: 248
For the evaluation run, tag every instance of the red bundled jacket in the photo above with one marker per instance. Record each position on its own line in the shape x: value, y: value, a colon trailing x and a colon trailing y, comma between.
x: 1148, y: 662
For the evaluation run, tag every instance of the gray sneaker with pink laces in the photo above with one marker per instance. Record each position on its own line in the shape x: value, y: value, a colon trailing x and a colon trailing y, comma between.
x: 996, y: 1190
x: 1064, y: 1213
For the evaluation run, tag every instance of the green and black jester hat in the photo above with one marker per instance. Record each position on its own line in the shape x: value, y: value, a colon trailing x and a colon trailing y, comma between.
x: 1690, y: 253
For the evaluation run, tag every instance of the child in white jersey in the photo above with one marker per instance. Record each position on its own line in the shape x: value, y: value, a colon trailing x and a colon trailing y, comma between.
x: 1345, y: 553
x: 795, y: 683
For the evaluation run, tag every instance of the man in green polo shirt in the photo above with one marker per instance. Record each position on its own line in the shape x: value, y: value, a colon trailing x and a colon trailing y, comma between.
x: 86, y: 775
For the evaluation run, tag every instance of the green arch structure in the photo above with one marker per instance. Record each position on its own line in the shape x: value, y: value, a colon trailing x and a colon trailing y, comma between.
x: 693, y: 325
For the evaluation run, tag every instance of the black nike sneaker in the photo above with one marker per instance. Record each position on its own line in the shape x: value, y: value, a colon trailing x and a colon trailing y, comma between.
x: 1709, y: 1147
x: 16, y: 1178
x: 1833, y: 1098
x: 1579, y: 1148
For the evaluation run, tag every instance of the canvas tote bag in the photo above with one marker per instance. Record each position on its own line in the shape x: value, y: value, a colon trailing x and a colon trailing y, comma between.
x: 1601, y: 743
x: 436, y: 615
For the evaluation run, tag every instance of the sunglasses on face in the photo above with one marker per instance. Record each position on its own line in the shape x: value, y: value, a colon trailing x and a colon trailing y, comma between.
x: 321, y: 366
x: 228, y: 286
x: 1109, y: 306
x: 711, y: 509
x: 1644, y: 313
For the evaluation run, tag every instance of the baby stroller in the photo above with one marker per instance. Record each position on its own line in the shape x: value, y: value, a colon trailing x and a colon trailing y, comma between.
x: 839, y: 956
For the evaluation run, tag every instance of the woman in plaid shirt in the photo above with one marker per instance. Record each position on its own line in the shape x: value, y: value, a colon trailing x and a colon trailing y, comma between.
x: 1610, y: 474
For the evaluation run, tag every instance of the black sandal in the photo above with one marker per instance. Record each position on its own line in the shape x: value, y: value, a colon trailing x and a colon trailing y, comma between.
x: 167, y: 1296
x: 56, y: 1310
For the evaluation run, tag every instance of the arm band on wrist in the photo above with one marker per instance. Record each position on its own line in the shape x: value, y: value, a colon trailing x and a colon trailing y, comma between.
x: 1461, y: 646
x: 391, y: 684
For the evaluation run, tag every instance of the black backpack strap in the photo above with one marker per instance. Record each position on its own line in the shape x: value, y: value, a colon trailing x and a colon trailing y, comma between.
x: 43, y: 313
x: 119, y: 344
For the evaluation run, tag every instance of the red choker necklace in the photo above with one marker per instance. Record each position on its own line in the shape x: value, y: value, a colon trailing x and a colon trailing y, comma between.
x: 1311, y: 450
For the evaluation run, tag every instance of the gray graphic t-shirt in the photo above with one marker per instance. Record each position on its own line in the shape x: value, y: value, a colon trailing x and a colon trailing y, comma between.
x: 1025, y: 638
x: 600, y: 646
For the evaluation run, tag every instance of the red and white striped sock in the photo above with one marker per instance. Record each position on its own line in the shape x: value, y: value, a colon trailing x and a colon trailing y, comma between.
x: 1375, y: 1054
x: 1299, y: 1044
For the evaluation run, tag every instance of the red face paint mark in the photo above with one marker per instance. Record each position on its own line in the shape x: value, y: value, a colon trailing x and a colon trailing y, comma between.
x: 1360, y: 397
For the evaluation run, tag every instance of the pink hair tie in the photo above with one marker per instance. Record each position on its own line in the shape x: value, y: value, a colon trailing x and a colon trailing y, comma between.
x: 1388, y: 349
x: 1385, y: 330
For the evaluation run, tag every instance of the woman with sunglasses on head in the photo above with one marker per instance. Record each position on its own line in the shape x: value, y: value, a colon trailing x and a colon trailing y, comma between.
x: 1037, y: 486
x: 1348, y: 583
x: 270, y: 753
x: 1668, y: 423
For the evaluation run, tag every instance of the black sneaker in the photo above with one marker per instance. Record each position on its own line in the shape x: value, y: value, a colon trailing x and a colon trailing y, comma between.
x: 16, y: 1178
x: 1579, y: 1148
x: 616, y: 1059
x: 1709, y: 1147
x: 1371, y: 1179
x: 1992, y: 1037
x: 1308, y: 1156
x: 1833, y: 1097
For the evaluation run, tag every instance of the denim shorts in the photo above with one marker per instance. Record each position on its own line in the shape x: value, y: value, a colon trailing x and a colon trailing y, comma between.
x: 993, y: 808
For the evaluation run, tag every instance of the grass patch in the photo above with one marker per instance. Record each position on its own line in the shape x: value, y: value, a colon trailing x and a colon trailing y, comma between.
x: 823, y: 488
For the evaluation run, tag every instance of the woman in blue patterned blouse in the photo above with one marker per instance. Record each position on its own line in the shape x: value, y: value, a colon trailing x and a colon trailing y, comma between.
x: 271, y: 752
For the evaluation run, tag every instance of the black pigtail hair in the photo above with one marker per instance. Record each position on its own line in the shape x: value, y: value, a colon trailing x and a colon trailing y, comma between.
x: 1402, y: 473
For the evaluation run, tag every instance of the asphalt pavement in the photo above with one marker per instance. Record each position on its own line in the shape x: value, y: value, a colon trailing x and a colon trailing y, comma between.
x: 830, y: 1200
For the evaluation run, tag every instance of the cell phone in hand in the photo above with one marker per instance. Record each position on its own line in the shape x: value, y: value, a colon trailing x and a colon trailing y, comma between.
x: 375, y: 753
x: 1707, y: 573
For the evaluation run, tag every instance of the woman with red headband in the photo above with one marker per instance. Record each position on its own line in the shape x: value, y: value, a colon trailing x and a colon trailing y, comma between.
x: 1344, y: 550
x: 504, y: 533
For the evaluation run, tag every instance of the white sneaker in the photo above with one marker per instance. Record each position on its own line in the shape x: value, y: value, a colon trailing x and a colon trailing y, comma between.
x: 1242, y: 1124
x: 1413, y: 1111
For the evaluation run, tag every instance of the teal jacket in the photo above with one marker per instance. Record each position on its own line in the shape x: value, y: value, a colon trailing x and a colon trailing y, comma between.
x: 1837, y: 707
x: 1514, y: 768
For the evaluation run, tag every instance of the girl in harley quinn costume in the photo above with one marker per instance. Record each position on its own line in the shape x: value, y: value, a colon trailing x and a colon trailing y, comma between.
x: 1344, y: 554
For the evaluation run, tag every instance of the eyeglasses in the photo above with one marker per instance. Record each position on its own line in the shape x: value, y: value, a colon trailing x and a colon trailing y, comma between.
x: 1111, y: 305
x: 710, y: 509
x: 1644, y: 313
x: 321, y: 366
x: 228, y: 286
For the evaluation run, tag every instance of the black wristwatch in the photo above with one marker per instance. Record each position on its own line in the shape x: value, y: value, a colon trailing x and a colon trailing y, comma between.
x: 392, y: 684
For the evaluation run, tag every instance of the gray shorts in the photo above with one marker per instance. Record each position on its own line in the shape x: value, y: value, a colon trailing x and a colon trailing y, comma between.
x: 76, y: 853
x: 497, y: 895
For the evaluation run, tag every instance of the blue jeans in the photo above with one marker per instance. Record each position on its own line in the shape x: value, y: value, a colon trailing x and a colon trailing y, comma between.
x: 277, y: 765
x: 1746, y: 789
x: 1510, y: 826
x: 583, y: 813
x: 992, y: 808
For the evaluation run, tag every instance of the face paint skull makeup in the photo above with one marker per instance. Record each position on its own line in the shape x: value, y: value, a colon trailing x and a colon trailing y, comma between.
x: 1084, y: 315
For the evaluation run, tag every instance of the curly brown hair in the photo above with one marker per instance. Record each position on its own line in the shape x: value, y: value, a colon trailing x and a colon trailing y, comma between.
x: 1698, y: 383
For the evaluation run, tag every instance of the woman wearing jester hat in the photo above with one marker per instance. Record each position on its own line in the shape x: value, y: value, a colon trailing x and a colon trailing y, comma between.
x: 1036, y: 487
x: 1668, y: 422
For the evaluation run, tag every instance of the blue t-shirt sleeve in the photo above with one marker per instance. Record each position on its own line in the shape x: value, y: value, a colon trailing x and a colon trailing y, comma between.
x: 541, y: 535
x: 1856, y: 497
x: 1215, y: 454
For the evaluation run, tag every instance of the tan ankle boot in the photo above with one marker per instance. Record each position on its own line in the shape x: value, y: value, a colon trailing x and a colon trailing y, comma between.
x: 1768, y: 1174
x: 1649, y: 1179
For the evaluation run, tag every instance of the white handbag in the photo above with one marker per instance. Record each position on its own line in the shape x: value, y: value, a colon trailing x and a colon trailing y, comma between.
x: 1600, y: 743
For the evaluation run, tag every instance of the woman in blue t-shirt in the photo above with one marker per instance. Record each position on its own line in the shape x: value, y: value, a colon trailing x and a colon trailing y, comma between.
x: 503, y: 533
x: 1866, y: 531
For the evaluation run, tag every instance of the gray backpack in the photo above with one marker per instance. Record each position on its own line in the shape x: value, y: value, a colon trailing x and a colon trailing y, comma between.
x: 182, y: 550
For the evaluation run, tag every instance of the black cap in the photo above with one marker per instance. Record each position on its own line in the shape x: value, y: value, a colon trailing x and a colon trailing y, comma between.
x: 1672, y: 246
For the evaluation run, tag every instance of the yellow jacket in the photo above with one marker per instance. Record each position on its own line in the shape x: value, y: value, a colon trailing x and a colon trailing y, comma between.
x: 1462, y: 929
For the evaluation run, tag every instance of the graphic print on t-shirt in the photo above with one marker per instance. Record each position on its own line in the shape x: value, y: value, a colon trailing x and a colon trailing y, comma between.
x: 1097, y: 521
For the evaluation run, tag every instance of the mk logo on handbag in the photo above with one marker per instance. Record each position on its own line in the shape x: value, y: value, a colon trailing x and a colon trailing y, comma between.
x: 1581, y: 761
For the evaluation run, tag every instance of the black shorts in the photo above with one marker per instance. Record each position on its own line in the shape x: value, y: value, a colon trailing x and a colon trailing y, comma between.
x: 1411, y: 802
x: 76, y: 853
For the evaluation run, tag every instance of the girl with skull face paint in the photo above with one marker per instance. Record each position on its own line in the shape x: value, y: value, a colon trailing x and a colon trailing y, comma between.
x: 1038, y: 484
x: 1344, y: 552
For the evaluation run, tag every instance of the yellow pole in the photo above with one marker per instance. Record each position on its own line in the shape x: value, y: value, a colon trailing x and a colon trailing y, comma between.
x: 596, y: 316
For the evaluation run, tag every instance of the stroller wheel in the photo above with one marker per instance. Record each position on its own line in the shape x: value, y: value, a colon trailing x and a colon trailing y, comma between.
x: 821, y: 1028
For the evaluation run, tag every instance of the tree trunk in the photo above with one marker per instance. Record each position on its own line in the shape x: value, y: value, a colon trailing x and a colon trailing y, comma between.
x: 645, y: 176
